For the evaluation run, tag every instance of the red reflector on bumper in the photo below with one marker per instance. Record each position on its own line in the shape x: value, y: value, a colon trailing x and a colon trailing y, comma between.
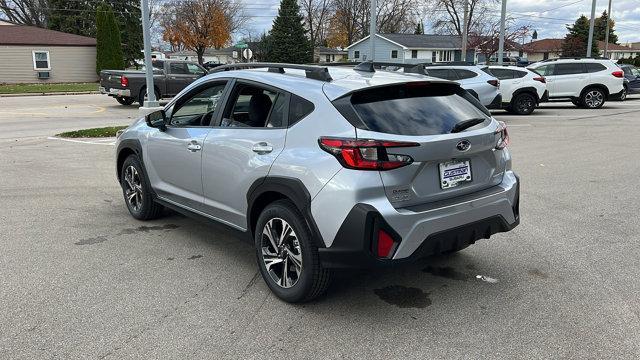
x: 385, y: 244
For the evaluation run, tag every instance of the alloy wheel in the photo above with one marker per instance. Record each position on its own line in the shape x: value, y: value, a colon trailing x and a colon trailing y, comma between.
x: 594, y: 98
x: 281, y: 252
x: 524, y: 104
x: 133, y: 188
x: 623, y: 96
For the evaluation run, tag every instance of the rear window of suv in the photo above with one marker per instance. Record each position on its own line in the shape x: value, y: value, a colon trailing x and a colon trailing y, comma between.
x: 595, y: 67
x: 412, y: 109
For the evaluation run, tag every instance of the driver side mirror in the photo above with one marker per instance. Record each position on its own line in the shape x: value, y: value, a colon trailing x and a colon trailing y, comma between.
x: 157, y: 119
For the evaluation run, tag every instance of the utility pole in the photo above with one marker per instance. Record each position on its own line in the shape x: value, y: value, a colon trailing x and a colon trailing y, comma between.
x: 591, y: 25
x: 606, y: 34
x: 151, y: 95
x: 465, y: 30
x: 372, y: 30
x: 503, y: 15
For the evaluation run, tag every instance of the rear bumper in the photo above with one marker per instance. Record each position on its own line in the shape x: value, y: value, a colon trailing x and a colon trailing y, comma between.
x: 116, y: 92
x: 424, y: 232
x: 616, y: 96
x: 545, y: 96
x: 496, y: 103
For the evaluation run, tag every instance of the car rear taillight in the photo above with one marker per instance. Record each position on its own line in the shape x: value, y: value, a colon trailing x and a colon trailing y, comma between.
x: 503, y: 135
x: 494, y: 82
x: 366, y: 154
x: 385, y: 244
x: 618, y: 73
x: 124, y: 81
x: 541, y: 79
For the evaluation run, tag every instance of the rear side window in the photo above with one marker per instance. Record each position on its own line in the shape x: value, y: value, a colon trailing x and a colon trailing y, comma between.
x: 446, y: 74
x: 544, y: 70
x: 519, y: 74
x: 414, y: 109
x: 595, y: 67
x: 465, y: 74
x: 502, y: 74
x: 298, y: 109
x: 568, y: 69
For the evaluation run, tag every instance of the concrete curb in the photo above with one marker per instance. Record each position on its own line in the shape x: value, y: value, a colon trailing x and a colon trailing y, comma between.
x: 52, y: 93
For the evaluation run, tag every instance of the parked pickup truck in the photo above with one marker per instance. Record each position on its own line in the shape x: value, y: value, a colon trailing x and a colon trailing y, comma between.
x: 169, y: 78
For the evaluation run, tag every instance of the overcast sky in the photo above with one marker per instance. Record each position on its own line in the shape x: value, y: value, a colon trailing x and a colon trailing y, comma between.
x: 548, y: 17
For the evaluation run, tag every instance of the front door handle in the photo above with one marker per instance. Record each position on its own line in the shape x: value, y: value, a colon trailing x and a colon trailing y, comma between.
x: 194, y: 146
x: 262, y: 148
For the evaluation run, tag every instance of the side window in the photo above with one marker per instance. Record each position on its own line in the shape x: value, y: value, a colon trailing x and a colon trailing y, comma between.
x: 394, y: 54
x: 465, y: 74
x: 569, y: 69
x: 298, y: 109
x: 443, y: 74
x: 251, y: 106
x: 545, y: 70
x: 356, y: 54
x: 41, y: 60
x: 414, y: 54
x: 595, y: 67
x: 195, y: 69
x: 200, y: 109
x: 519, y: 74
x: 178, y: 69
x: 502, y: 74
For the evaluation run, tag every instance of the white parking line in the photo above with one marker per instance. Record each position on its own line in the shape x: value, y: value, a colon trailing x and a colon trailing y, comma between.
x: 108, y: 142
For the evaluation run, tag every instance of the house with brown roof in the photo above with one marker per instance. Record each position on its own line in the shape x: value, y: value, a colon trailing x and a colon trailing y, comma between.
x: 543, y: 49
x: 30, y: 54
x: 615, y: 52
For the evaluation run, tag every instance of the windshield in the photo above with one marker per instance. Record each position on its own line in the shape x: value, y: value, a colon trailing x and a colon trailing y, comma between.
x: 417, y: 108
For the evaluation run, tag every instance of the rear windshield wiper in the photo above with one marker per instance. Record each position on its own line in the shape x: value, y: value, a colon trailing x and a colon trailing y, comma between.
x: 465, y: 124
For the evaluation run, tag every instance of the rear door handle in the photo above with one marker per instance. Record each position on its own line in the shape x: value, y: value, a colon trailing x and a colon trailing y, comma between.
x: 194, y: 146
x: 262, y: 148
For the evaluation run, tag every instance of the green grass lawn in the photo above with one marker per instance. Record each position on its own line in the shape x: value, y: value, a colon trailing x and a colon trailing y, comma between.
x: 46, y: 88
x: 92, y: 133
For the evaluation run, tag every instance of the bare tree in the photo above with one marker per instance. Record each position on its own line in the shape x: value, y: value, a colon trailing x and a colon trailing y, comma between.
x: 488, y: 44
x: 448, y: 16
x: 25, y: 12
x: 316, y: 17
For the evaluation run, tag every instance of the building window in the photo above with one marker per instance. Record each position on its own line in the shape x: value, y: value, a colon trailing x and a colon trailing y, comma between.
x: 394, y: 54
x: 356, y: 54
x: 414, y: 54
x: 445, y: 56
x: 41, y: 60
x: 433, y: 57
x: 327, y: 58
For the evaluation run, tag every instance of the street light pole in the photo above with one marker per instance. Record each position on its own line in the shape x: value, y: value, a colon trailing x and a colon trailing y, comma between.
x: 591, y: 25
x: 465, y: 30
x: 606, y: 34
x: 372, y: 30
x: 151, y: 96
x: 503, y: 15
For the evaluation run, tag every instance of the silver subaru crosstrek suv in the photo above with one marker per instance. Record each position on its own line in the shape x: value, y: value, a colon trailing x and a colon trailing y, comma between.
x: 325, y: 168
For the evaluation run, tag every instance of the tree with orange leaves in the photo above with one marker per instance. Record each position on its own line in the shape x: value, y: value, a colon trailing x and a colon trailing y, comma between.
x: 200, y: 24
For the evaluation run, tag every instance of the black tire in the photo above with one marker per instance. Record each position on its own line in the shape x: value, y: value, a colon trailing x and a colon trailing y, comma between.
x: 625, y: 92
x: 141, y: 205
x: 523, y: 104
x: 143, y: 94
x: 125, y: 100
x: 593, y: 98
x: 313, y: 279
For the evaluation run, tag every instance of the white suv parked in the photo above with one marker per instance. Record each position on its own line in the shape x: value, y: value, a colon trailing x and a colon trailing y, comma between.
x: 522, y: 89
x: 483, y: 86
x: 587, y: 82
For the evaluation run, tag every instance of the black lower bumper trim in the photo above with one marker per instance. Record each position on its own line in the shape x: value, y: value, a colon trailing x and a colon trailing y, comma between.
x: 615, y: 96
x: 496, y: 103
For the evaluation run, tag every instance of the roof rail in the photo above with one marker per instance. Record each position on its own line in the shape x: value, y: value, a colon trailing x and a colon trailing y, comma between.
x: 452, y: 63
x: 576, y: 58
x: 311, y: 71
x: 370, y: 66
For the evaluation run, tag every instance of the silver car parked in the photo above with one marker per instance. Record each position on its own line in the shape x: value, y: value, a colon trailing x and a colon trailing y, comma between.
x: 323, y: 168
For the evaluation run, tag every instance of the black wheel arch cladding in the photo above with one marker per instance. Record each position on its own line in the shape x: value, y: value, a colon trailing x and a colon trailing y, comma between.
x: 267, y: 189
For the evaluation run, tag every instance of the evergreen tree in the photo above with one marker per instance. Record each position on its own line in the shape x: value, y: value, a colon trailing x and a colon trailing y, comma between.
x: 108, y: 47
x: 600, y: 29
x: 73, y: 17
x: 129, y: 17
x: 419, y: 28
x: 289, y: 36
x: 576, y: 41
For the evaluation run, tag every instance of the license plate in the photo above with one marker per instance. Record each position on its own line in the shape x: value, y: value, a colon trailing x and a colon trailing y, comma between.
x: 454, y: 173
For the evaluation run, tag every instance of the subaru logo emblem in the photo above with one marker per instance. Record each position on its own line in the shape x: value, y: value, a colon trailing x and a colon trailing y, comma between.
x: 463, y: 145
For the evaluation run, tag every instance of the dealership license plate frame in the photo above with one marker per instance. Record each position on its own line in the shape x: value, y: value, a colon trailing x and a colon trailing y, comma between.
x: 448, y: 181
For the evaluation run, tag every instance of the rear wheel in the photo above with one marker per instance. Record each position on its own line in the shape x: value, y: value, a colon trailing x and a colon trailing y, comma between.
x: 523, y: 104
x: 287, y: 257
x: 136, y: 190
x: 143, y: 95
x: 125, y: 100
x: 593, y: 98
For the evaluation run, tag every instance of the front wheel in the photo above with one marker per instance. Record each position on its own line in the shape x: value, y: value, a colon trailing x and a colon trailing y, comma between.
x: 287, y: 257
x: 523, y: 104
x: 125, y: 100
x: 593, y: 98
x: 137, y: 191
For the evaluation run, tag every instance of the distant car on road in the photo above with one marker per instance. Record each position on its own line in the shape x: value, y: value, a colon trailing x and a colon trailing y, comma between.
x: 522, y: 89
x: 631, y: 80
x: 170, y: 77
x: 587, y: 82
x: 483, y: 86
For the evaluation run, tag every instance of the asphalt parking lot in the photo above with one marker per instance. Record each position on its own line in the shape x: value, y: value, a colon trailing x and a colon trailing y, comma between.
x: 80, y: 278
